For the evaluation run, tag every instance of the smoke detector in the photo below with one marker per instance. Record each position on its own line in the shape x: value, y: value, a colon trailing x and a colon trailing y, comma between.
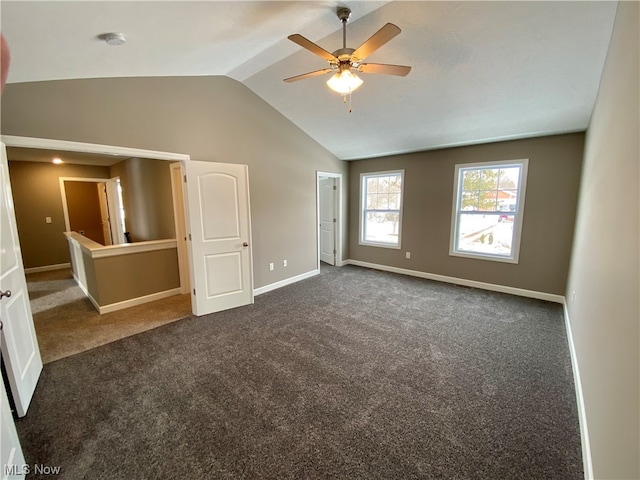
x: 113, y: 38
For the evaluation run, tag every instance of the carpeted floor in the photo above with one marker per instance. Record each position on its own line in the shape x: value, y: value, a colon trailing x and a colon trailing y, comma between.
x: 351, y: 374
x: 67, y: 323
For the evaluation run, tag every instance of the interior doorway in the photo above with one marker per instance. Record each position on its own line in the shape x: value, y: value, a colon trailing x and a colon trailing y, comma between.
x: 329, y: 215
x: 54, y: 292
x: 92, y: 207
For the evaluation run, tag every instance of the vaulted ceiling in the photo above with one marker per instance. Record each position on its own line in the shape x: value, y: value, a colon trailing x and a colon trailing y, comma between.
x: 482, y: 71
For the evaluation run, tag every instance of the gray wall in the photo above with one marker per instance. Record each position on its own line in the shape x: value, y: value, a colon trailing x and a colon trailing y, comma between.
x: 549, y: 214
x: 209, y: 118
x: 36, y: 195
x: 605, y: 264
x: 147, y: 198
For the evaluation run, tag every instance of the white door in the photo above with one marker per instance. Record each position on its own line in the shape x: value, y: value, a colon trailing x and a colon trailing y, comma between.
x: 19, y: 345
x: 327, y: 221
x: 11, y: 457
x: 104, y: 213
x: 220, y: 234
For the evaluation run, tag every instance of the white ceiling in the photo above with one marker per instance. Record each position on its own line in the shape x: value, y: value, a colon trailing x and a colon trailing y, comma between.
x: 482, y: 71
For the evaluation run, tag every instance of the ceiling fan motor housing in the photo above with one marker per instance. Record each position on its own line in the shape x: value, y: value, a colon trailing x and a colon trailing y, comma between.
x: 344, y: 13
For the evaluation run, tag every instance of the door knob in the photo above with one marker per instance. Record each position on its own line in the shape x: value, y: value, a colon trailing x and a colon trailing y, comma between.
x: 245, y: 244
x: 5, y: 294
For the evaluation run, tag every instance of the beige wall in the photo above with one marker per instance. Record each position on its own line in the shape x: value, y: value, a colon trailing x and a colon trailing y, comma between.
x: 83, y: 207
x: 135, y: 275
x: 549, y: 214
x: 209, y: 118
x: 605, y: 264
x: 36, y: 195
x: 146, y: 197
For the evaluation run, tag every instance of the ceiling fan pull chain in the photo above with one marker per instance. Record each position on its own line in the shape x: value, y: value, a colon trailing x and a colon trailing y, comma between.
x: 350, y: 101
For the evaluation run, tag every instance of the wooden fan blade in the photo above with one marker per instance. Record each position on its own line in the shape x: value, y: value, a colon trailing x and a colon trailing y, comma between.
x: 378, y: 39
x: 399, y: 70
x: 308, y: 75
x: 312, y: 47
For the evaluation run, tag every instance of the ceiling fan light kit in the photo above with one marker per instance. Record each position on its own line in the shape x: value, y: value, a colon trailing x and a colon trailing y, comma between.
x: 344, y: 82
x: 346, y: 61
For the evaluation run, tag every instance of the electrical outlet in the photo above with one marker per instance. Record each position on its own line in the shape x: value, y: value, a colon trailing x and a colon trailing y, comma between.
x: 47, y: 219
x: 271, y: 267
x: 408, y: 254
x: 573, y: 296
x: 284, y: 263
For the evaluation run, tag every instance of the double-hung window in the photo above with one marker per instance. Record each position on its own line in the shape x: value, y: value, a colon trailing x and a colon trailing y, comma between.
x: 381, y: 208
x: 488, y: 209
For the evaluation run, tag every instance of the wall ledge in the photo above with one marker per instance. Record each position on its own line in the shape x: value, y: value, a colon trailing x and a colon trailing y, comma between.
x: 101, y: 251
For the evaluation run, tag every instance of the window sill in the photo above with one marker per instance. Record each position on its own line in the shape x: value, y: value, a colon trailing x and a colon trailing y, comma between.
x: 383, y: 245
x: 479, y: 256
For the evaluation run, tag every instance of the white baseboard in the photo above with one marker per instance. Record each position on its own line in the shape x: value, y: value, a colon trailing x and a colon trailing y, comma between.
x: 462, y: 281
x: 285, y: 282
x: 47, y: 268
x: 132, y: 302
x: 582, y: 415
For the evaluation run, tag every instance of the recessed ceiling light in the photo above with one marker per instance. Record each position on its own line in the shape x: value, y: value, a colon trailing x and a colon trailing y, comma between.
x: 114, y: 38
x: 57, y: 161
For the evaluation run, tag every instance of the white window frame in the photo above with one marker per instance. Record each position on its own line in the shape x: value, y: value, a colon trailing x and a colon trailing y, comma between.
x: 363, y: 202
x: 518, y: 213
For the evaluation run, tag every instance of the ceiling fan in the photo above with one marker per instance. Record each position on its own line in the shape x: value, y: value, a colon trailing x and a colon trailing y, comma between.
x: 346, y: 61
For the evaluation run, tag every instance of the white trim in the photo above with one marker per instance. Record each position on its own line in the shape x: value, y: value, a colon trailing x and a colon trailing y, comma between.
x: 95, y: 250
x: 582, y: 413
x: 550, y: 297
x: 338, y: 212
x: 47, y: 268
x: 285, y: 282
x: 518, y: 214
x: 361, y: 240
x: 138, y: 247
x: 50, y: 144
x: 180, y: 224
x: 112, y: 307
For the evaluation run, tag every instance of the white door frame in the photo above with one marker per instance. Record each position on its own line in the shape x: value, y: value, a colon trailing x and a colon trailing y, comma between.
x: 179, y: 212
x: 338, y: 207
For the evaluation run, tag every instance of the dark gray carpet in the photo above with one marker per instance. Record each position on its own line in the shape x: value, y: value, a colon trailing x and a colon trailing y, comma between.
x: 351, y: 374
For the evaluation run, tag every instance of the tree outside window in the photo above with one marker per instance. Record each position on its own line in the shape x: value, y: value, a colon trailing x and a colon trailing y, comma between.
x: 488, y: 209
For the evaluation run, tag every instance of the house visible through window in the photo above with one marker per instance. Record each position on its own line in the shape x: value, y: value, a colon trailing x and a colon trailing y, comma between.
x: 488, y: 210
x: 381, y: 209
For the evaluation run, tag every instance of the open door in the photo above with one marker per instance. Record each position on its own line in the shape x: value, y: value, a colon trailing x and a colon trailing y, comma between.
x: 114, y: 204
x: 327, y: 191
x: 104, y: 213
x: 220, y: 236
x: 19, y: 345
x: 11, y: 458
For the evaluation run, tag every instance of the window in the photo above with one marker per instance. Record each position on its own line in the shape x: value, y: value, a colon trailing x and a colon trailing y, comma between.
x: 488, y: 209
x: 381, y: 208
